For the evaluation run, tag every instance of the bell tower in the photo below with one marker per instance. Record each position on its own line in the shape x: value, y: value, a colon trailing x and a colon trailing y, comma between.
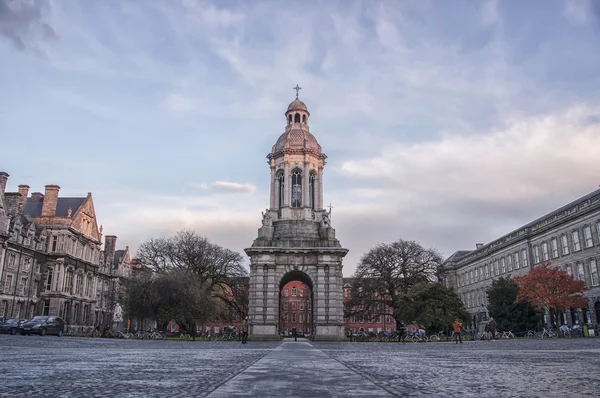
x: 296, y: 239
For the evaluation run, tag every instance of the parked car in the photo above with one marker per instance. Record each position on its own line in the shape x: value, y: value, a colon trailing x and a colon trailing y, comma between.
x: 43, y: 325
x: 11, y: 325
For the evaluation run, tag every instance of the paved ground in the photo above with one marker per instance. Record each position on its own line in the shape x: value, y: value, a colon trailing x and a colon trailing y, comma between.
x: 72, y: 367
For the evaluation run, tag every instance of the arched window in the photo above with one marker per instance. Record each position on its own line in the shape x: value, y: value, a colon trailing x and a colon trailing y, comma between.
x: 281, y: 189
x: 294, y: 291
x: 290, y: 119
x: 311, y: 190
x: 296, y: 188
x: 304, y: 119
x: 297, y: 118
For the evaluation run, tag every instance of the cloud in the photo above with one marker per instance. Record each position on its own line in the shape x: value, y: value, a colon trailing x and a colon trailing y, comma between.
x: 22, y: 24
x: 582, y: 12
x: 528, y: 158
x: 226, y: 186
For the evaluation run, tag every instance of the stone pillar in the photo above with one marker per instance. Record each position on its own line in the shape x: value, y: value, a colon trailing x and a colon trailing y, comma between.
x: 273, y: 187
x: 287, y: 183
x: 305, y: 186
x: 319, y: 191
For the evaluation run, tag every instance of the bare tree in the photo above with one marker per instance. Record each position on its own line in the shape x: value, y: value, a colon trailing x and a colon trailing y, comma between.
x: 388, y: 271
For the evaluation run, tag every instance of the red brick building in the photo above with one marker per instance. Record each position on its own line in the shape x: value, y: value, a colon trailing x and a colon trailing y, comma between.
x: 295, y: 309
x: 382, y: 321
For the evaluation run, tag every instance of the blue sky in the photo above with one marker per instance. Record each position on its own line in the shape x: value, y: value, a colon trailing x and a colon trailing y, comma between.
x: 446, y: 122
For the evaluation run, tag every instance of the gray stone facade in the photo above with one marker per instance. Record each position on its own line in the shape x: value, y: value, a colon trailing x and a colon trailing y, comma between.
x: 51, y: 261
x: 569, y: 238
x: 296, y: 241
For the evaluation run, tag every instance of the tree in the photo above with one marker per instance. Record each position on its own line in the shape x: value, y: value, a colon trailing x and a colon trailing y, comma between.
x: 551, y: 289
x: 170, y: 295
x: 508, y: 312
x: 432, y: 305
x: 388, y: 271
x: 218, y: 269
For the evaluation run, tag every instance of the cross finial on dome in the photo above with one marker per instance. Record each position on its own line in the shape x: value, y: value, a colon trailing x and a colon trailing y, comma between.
x: 297, y: 88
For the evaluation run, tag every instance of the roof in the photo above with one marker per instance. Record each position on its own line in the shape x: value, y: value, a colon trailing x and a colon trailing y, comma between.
x: 33, y: 207
x: 119, y: 254
x: 297, y: 105
x: 458, y: 254
x: 297, y: 138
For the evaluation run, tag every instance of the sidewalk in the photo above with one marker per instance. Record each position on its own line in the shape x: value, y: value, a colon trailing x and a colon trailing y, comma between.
x: 297, y: 369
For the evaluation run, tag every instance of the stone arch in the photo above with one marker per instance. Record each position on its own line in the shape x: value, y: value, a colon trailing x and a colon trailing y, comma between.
x: 297, y: 118
x: 307, y: 324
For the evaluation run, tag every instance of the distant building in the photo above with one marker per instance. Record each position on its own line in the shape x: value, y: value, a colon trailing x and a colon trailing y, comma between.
x: 51, y: 260
x: 382, y: 321
x: 568, y: 237
x: 295, y: 309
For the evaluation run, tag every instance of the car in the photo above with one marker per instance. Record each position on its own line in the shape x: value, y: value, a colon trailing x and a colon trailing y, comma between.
x: 11, y: 325
x: 43, y: 325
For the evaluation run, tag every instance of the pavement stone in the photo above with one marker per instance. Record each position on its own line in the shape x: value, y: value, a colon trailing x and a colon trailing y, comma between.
x: 93, y: 367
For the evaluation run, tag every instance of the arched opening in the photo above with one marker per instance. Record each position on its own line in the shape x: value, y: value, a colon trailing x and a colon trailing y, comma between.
x: 296, y: 188
x: 304, y: 119
x: 311, y: 190
x: 281, y: 189
x: 289, y: 119
x: 296, y: 305
x: 297, y: 118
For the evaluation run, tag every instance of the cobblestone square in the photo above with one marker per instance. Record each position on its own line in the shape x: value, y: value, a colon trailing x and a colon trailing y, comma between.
x: 78, y: 367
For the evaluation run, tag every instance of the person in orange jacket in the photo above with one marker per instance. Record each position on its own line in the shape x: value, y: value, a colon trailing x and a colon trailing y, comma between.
x: 457, y: 326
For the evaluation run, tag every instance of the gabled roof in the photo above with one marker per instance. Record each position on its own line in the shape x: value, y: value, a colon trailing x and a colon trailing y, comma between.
x: 33, y: 206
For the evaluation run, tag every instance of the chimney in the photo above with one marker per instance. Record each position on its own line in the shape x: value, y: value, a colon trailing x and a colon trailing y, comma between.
x: 24, y: 191
x: 3, y: 180
x: 50, y: 199
x: 478, y: 245
x: 110, y: 244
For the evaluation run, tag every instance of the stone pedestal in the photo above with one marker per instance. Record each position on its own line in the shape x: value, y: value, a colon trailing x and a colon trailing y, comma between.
x: 327, y: 233
x: 265, y: 233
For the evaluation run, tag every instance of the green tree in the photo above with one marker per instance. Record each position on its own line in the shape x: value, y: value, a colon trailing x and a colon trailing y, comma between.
x: 431, y: 305
x: 508, y: 312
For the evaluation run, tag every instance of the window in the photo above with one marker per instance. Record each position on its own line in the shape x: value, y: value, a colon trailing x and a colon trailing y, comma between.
x: 593, y: 266
x: 296, y: 188
x: 293, y: 317
x: 516, y: 260
x: 311, y: 190
x: 496, y: 270
x: 294, y: 291
x: 11, y: 260
x: 68, y: 281
x: 23, y: 286
x: 509, y: 263
x: 8, y: 283
x: 485, y: 271
x: 576, y: 244
x: 285, y: 305
x: 503, y: 265
x: 470, y: 277
x: 301, y: 317
x: 301, y: 292
x: 308, y: 305
x: 49, y: 279
x: 285, y: 292
x: 524, y: 258
x: 302, y: 305
x: 587, y: 236
x: 46, y: 309
x: 79, y: 284
x: 54, y: 242
x: 545, y: 254
x: 580, y: 271
x: 569, y: 269
x: 27, y: 264
x: 554, y: 246
x: 87, y: 285
x: 281, y: 190
x: 3, y: 307
x: 565, y: 244
x: 352, y: 319
x: 293, y: 305
x: 536, y: 254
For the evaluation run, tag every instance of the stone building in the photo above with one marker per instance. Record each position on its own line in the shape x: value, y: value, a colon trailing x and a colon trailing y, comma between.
x: 296, y: 240
x: 568, y: 237
x: 52, y: 262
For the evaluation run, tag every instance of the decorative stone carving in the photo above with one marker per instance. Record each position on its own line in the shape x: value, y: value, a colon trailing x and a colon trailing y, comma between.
x: 267, y: 221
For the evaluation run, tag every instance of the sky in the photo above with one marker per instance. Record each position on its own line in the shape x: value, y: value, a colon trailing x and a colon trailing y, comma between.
x: 445, y: 122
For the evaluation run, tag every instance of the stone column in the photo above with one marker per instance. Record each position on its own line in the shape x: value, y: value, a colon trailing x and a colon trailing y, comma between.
x: 273, y: 187
x: 287, y: 183
x: 305, y: 186
x: 319, y: 190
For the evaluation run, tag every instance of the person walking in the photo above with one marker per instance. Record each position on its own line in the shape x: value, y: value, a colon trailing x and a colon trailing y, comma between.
x: 295, y: 334
x: 492, y: 327
x: 457, y: 326
x: 245, y: 330
x: 401, y: 329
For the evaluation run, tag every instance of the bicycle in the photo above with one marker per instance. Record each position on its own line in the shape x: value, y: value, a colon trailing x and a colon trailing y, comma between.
x: 185, y: 336
x: 546, y: 333
x: 507, y: 335
x: 530, y: 334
